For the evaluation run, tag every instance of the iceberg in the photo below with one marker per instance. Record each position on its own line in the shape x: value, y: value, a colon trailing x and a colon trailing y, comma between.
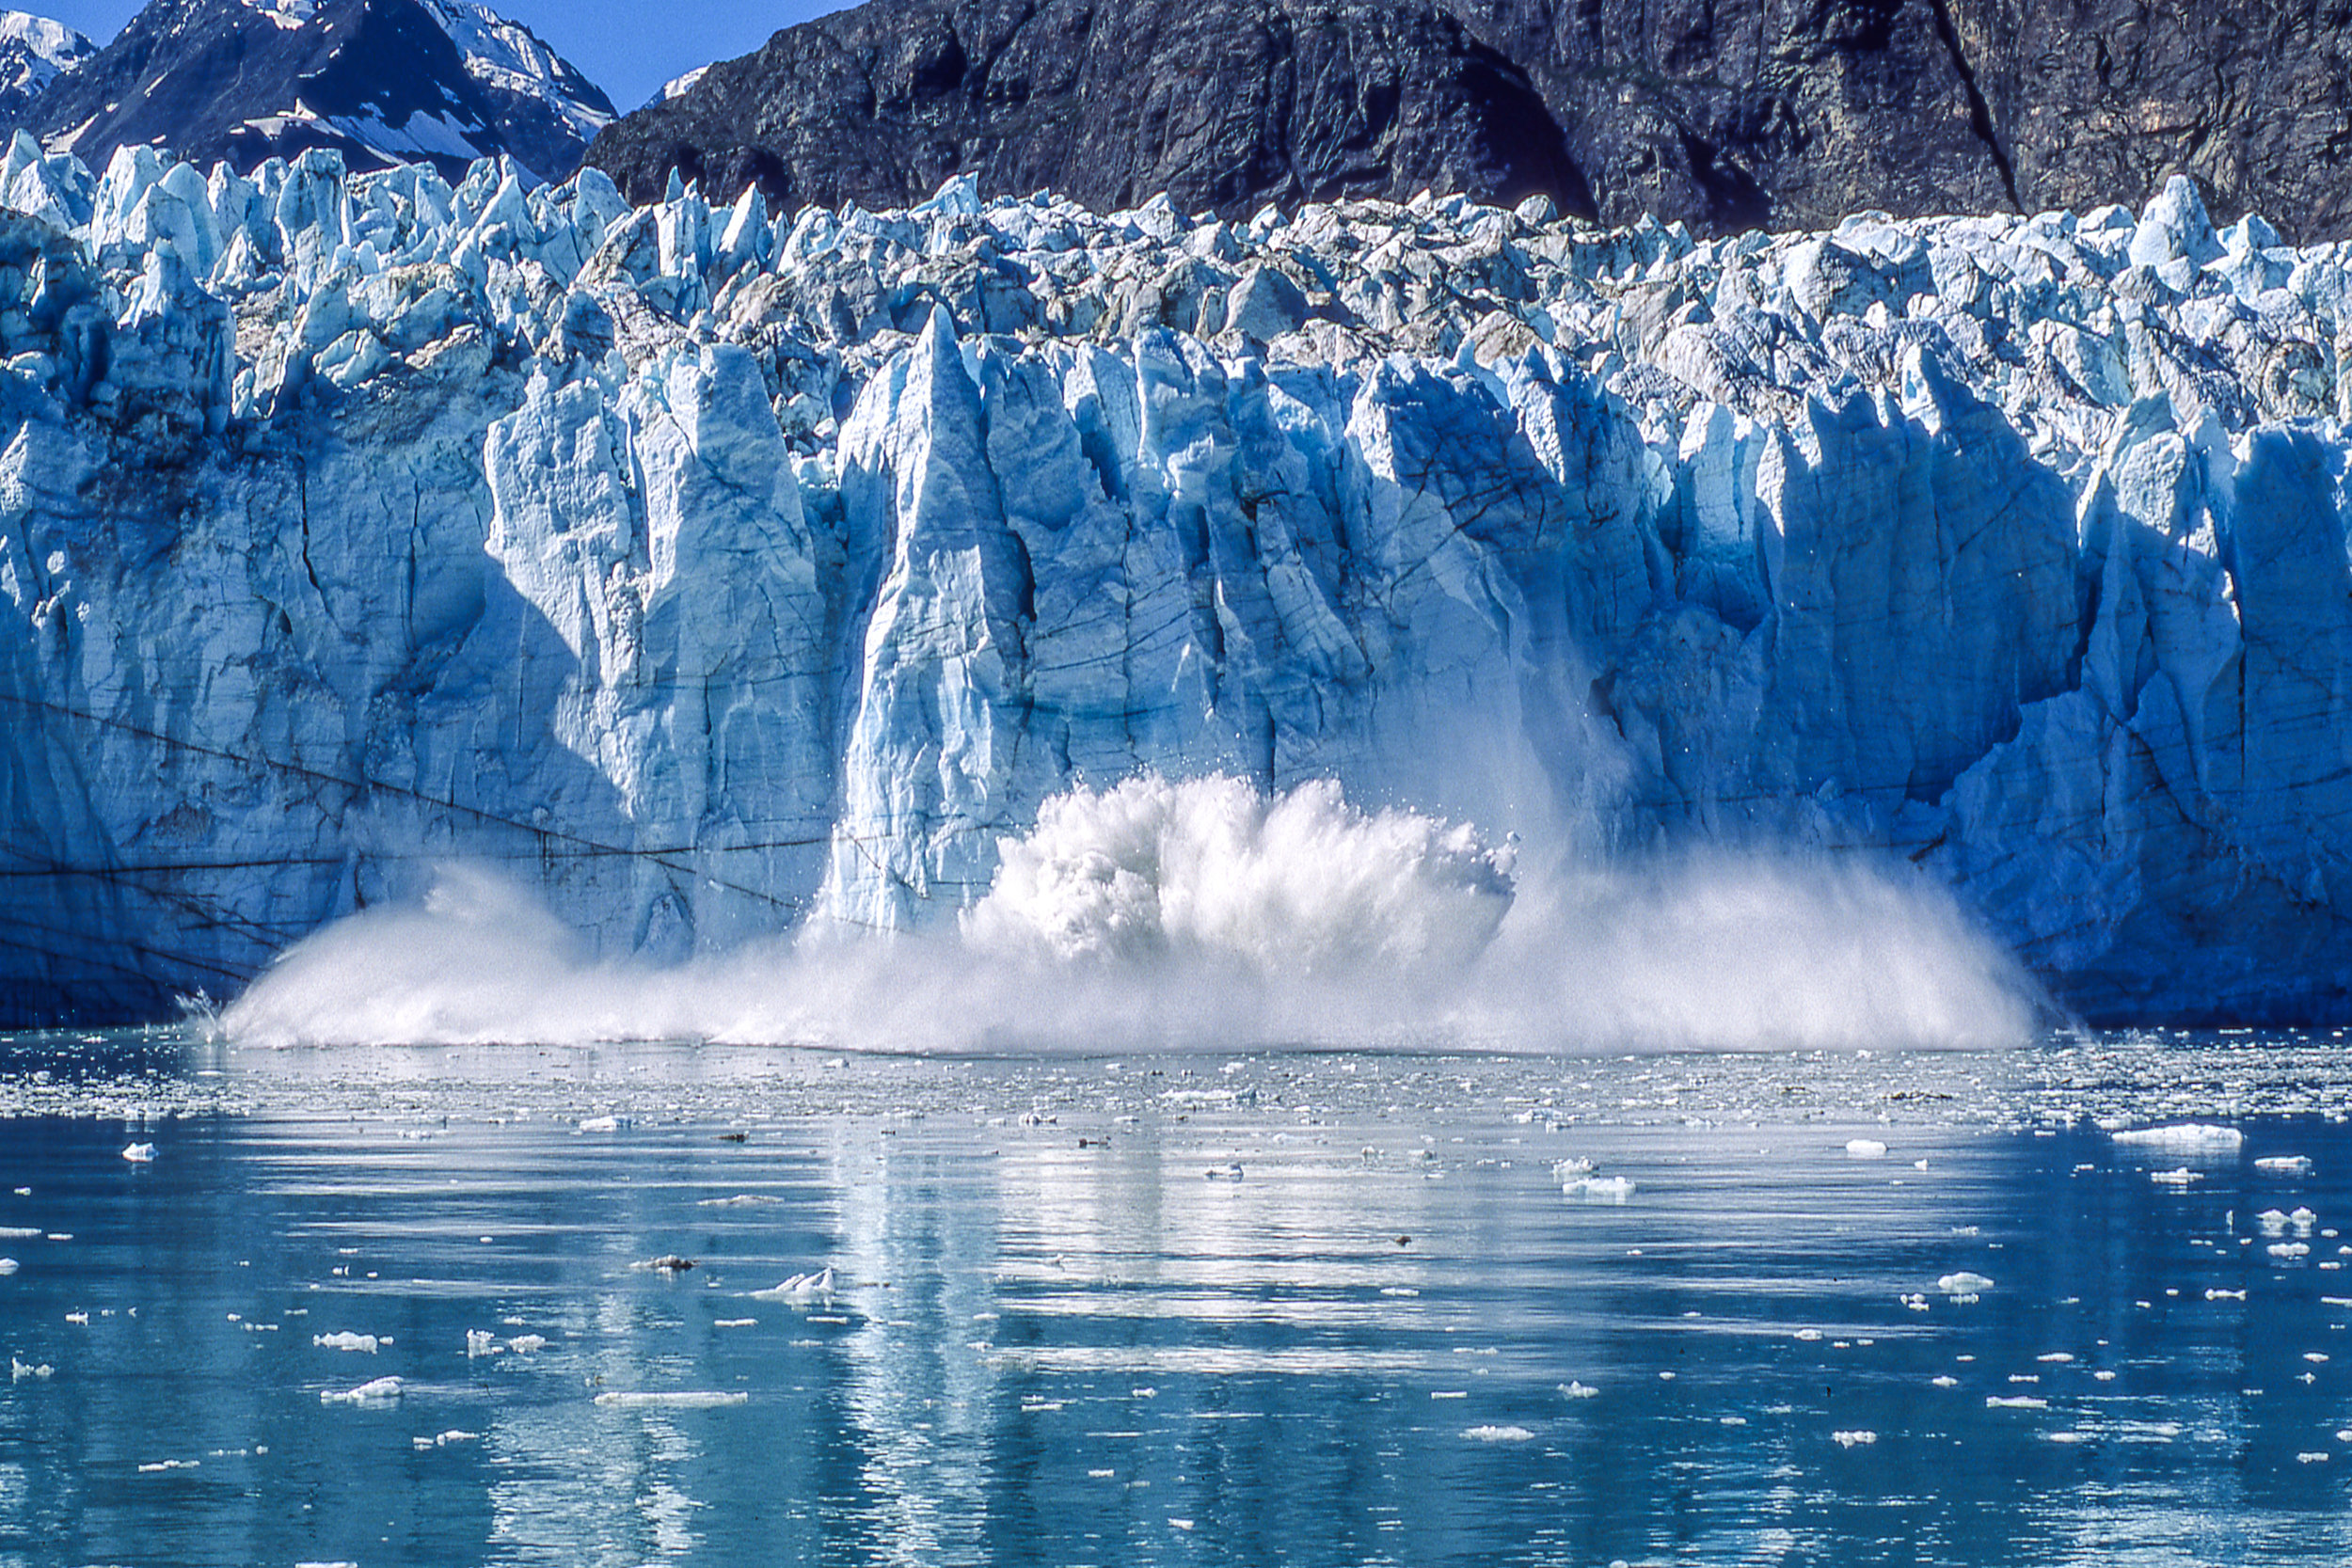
x: 713, y: 572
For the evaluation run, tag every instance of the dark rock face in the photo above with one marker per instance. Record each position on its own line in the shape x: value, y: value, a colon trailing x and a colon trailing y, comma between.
x: 380, y: 81
x: 1724, y: 116
x: 1222, y: 103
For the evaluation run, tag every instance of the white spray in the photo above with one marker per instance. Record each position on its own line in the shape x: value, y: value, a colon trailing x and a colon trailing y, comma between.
x: 1201, y: 914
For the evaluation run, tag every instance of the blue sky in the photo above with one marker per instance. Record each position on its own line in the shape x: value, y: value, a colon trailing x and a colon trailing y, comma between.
x: 628, y: 47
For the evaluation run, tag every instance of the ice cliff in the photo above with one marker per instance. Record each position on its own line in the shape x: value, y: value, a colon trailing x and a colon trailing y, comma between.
x: 712, y: 570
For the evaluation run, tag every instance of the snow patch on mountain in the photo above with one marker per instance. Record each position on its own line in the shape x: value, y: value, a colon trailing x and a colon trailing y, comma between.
x: 509, y: 55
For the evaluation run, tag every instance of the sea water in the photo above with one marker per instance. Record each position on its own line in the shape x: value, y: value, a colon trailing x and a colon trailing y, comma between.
x: 659, y: 1304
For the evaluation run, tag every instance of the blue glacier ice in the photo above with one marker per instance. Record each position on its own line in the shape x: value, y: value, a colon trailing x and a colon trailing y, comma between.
x: 710, y: 572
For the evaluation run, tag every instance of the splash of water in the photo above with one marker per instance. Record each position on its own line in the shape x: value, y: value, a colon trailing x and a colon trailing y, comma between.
x: 1162, y: 915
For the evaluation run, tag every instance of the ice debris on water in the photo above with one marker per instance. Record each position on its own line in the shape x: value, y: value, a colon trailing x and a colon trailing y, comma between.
x: 2285, y: 1164
x: 8, y: 1266
x: 683, y: 1400
x: 2185, y: 1138
x: 363, y: 1342
x: 19, y: 1371
x: 813, y: 1286
x: 1599, y: 1189
x: 1966, y: 1285
x: 382, y: 1391
x: 1865, y: 1149
x: 139, y: 1154
x: 443, y: 1439
x: 1857, y: 1438
x: 1576, y: 1391
x: 1499, y: 1434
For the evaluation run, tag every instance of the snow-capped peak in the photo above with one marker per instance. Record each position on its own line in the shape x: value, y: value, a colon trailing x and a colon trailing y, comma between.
x: 34, y: 50
x: 507, y: 54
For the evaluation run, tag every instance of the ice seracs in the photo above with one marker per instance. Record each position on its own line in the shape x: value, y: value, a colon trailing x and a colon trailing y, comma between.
x: 732, y: 569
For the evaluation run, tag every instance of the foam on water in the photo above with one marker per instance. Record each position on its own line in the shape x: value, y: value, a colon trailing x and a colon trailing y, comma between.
x: 1168, y: 914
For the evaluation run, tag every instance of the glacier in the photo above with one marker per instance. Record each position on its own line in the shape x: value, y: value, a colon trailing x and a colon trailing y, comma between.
x: 715, y: 573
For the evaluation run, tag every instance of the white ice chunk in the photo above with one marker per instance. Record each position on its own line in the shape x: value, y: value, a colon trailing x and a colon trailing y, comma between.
x: 383, y: 1390
x: 1865, y: 1149
x: 345, y: 1340
x: 2185, y: 1138
x: 139, y: 1153
x: 1499, y: 1434
x: 800, y: 1287
x: 1965, y: 1283
x: 1599, y: 1189
x: 680, y: 1400
x: 2285, y: 1164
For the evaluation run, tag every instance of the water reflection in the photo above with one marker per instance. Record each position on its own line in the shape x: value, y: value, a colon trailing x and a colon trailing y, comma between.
x: 1274, y: 1310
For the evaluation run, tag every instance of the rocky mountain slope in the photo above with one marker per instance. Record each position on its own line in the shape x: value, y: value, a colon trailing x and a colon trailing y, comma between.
x: 1723, y: 117
x: 378, y: 81
x: 712, y: 571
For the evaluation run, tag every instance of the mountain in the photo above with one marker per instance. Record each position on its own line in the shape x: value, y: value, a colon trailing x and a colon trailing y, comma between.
x: 1725, y: 116
x: 380, y: 81
x: 720, y: 572
x: 32, y: 50
x: 1222, y: 103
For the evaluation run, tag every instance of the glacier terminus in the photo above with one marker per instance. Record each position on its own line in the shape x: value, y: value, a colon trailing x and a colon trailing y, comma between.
x: 711, y: 572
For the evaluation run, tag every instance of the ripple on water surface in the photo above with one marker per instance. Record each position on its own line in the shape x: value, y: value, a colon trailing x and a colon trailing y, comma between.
x: 665, y: 1302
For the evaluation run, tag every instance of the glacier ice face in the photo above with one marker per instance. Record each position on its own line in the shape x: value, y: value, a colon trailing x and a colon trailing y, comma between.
x: 713, y: 571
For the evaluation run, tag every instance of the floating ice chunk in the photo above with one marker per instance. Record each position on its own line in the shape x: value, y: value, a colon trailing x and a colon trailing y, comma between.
x: 383, y: 1390
x: 2179, y: 1178
x: 2069, y: 1437
x: 8, y: 1266
x: 1599, y: 1189
x: 527, y: 1344
x: 20, y: 1233
x: 740, y: 1200
x: 479, y: 1342
x: 2312, y: 1457
x: 735, y: 1323
x: 1561, y: 1171
x: 604, y: 1124
x: 81, y: 1318
x: 800, y: 1287
x: 2057, y: 1357
x: 1858, y: 1438
x: 19, y: 1371
x: 2190, y: 1137
x: 683, y: 1400
x: 2285, y: 1164
x: 2218, y: 1294
x: 2015, y: 1402
x: 1945, y: 1380
x: 1499, y: 1434
x: 162, y: 1465
x: 1576, y: 1391
x: 1965, y: 1283
x: 139, y: 1154
x: 443, y: 1439
x: 366, y: 1343
x: 2289, y: 1250
x: 2302, y: 1219
x: 2273, y: 1222
x: 1865, y: 1149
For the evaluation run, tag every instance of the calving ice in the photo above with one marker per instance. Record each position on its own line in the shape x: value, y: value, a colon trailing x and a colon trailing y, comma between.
x: 1809, y: 606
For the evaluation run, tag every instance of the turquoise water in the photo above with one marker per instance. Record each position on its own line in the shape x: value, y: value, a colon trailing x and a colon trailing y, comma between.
x: 1310, y: 1309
